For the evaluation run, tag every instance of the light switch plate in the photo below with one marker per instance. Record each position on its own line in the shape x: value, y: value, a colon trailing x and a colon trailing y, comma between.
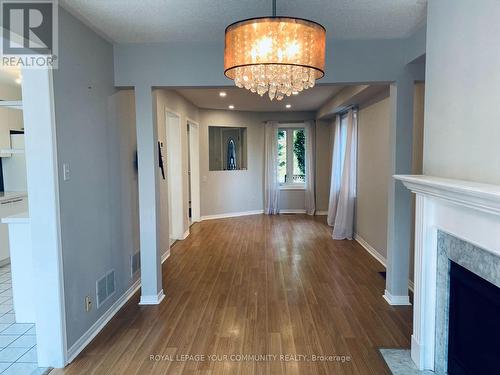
x: 66, y: 172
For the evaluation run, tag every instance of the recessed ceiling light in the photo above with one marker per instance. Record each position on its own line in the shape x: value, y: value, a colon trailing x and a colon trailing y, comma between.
x: 288, y: 106
x: 222, y: 94
x: 295, y: 93
x: 231, y: 106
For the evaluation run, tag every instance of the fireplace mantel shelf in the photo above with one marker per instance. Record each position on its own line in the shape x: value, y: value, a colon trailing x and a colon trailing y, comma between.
x: 484, y: 197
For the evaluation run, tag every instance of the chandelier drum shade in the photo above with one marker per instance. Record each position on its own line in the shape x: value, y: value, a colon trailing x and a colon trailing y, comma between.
x: 275, y: 55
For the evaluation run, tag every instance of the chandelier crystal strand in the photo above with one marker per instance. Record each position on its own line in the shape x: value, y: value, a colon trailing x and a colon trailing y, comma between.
x: 275, y: 55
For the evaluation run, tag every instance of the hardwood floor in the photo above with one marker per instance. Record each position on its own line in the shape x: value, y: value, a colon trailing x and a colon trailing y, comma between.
x: 256, y: 285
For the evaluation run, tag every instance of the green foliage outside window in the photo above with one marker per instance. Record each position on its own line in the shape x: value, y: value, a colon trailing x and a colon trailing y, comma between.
x: 299, y: 149
x: 281, y: 148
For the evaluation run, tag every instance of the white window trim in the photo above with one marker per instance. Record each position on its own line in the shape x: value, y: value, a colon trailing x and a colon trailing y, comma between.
x: 289, y: 155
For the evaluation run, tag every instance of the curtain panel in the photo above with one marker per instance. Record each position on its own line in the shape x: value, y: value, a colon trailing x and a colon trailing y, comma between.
x: 343, y: 182
x: 271, y: 185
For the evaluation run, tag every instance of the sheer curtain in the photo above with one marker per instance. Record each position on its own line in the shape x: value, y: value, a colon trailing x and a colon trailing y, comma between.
x: 271, y: 185
x: 310, y: 199
x: 343, y: 182
x: 336, y: 172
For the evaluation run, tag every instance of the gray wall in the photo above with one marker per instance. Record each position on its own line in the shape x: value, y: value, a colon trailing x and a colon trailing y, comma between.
x: 374, y: 169
x: 224, y: 192
x: 463, y: 76
x: 169, y: 100
x: 373, y: 172
x: 96, y: 135
x: 200, y: 64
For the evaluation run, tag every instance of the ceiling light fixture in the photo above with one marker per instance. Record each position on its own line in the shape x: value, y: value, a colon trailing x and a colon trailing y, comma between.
x: 295, y: 93
x: 288, y: 106
x: 231, y: 106
x: 222, y: 94
x: 277, y: 55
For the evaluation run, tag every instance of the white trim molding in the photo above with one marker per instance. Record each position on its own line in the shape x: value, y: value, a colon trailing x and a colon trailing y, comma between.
x: 396, y: 300
x: 165, y: 256
x: 231, y: 214
x: 152, y: 300
x: 374, y: 253
x: 185, y: 235
x: 467, y: 210
x: 97, y: 327
x: 257, y: 212
x: 371, y: 250
x: 292, y: 211
x: 482, y: 197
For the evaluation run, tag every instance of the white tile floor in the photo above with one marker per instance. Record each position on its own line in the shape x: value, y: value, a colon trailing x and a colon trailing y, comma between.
x: 17, y: 341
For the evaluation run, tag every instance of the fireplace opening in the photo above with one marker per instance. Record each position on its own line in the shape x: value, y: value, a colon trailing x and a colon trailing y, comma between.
x: 474, y: 325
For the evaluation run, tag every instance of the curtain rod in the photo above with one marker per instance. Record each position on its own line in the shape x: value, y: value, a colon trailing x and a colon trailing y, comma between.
x: 347, y: 109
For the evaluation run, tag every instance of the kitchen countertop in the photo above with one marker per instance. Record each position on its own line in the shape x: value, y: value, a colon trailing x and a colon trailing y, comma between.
x: 6, y: 195
x: 21, y: 218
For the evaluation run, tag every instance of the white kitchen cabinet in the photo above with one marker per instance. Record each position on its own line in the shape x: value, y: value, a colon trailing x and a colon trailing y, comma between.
x: 14, y: 167
x: 10, y: 119
x: 10, y: 204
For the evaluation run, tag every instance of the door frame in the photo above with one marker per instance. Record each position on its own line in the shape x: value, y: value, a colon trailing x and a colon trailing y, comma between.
x: 175, y: 175
x: 193, y: 129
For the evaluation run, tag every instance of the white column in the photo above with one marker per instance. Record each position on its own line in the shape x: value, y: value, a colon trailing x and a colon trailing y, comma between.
x: 43, y: 192
x: 149, y: 204
x: 399, y: 199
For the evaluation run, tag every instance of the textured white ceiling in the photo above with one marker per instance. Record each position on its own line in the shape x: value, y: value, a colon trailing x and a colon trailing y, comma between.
x: 243, y: 100
x: 125, y: 21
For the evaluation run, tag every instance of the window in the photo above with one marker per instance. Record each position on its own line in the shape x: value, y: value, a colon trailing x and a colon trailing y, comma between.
x: 291, y: 157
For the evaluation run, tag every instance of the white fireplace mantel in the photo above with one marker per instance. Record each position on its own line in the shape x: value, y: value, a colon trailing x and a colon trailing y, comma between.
x: 471, y: 194
x: 467, y: 210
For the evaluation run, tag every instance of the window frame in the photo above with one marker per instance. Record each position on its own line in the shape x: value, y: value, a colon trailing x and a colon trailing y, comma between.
x: 290, y: 127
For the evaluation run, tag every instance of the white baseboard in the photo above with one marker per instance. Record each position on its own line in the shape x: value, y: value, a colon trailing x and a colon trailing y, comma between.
x: 396, y: 300
x: 374, y: 253
x: 256, y: 212
x: 165, y: 256
x: 97, y: 327
x: 92, y: 332
x: 232, y: 214
x: 179, y: 237
x: 292, y: 211
x: 152, y: 300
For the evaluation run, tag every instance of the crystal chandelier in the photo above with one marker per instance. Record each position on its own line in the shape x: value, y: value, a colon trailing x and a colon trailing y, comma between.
x: 277, y: 55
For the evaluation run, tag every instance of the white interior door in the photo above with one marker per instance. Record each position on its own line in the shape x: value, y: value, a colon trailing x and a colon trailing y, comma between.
x: 174, y: 173
x: 194, y: 167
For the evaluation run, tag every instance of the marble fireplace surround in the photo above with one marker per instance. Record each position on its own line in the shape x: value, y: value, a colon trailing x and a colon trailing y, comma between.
x: 454, y: 220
